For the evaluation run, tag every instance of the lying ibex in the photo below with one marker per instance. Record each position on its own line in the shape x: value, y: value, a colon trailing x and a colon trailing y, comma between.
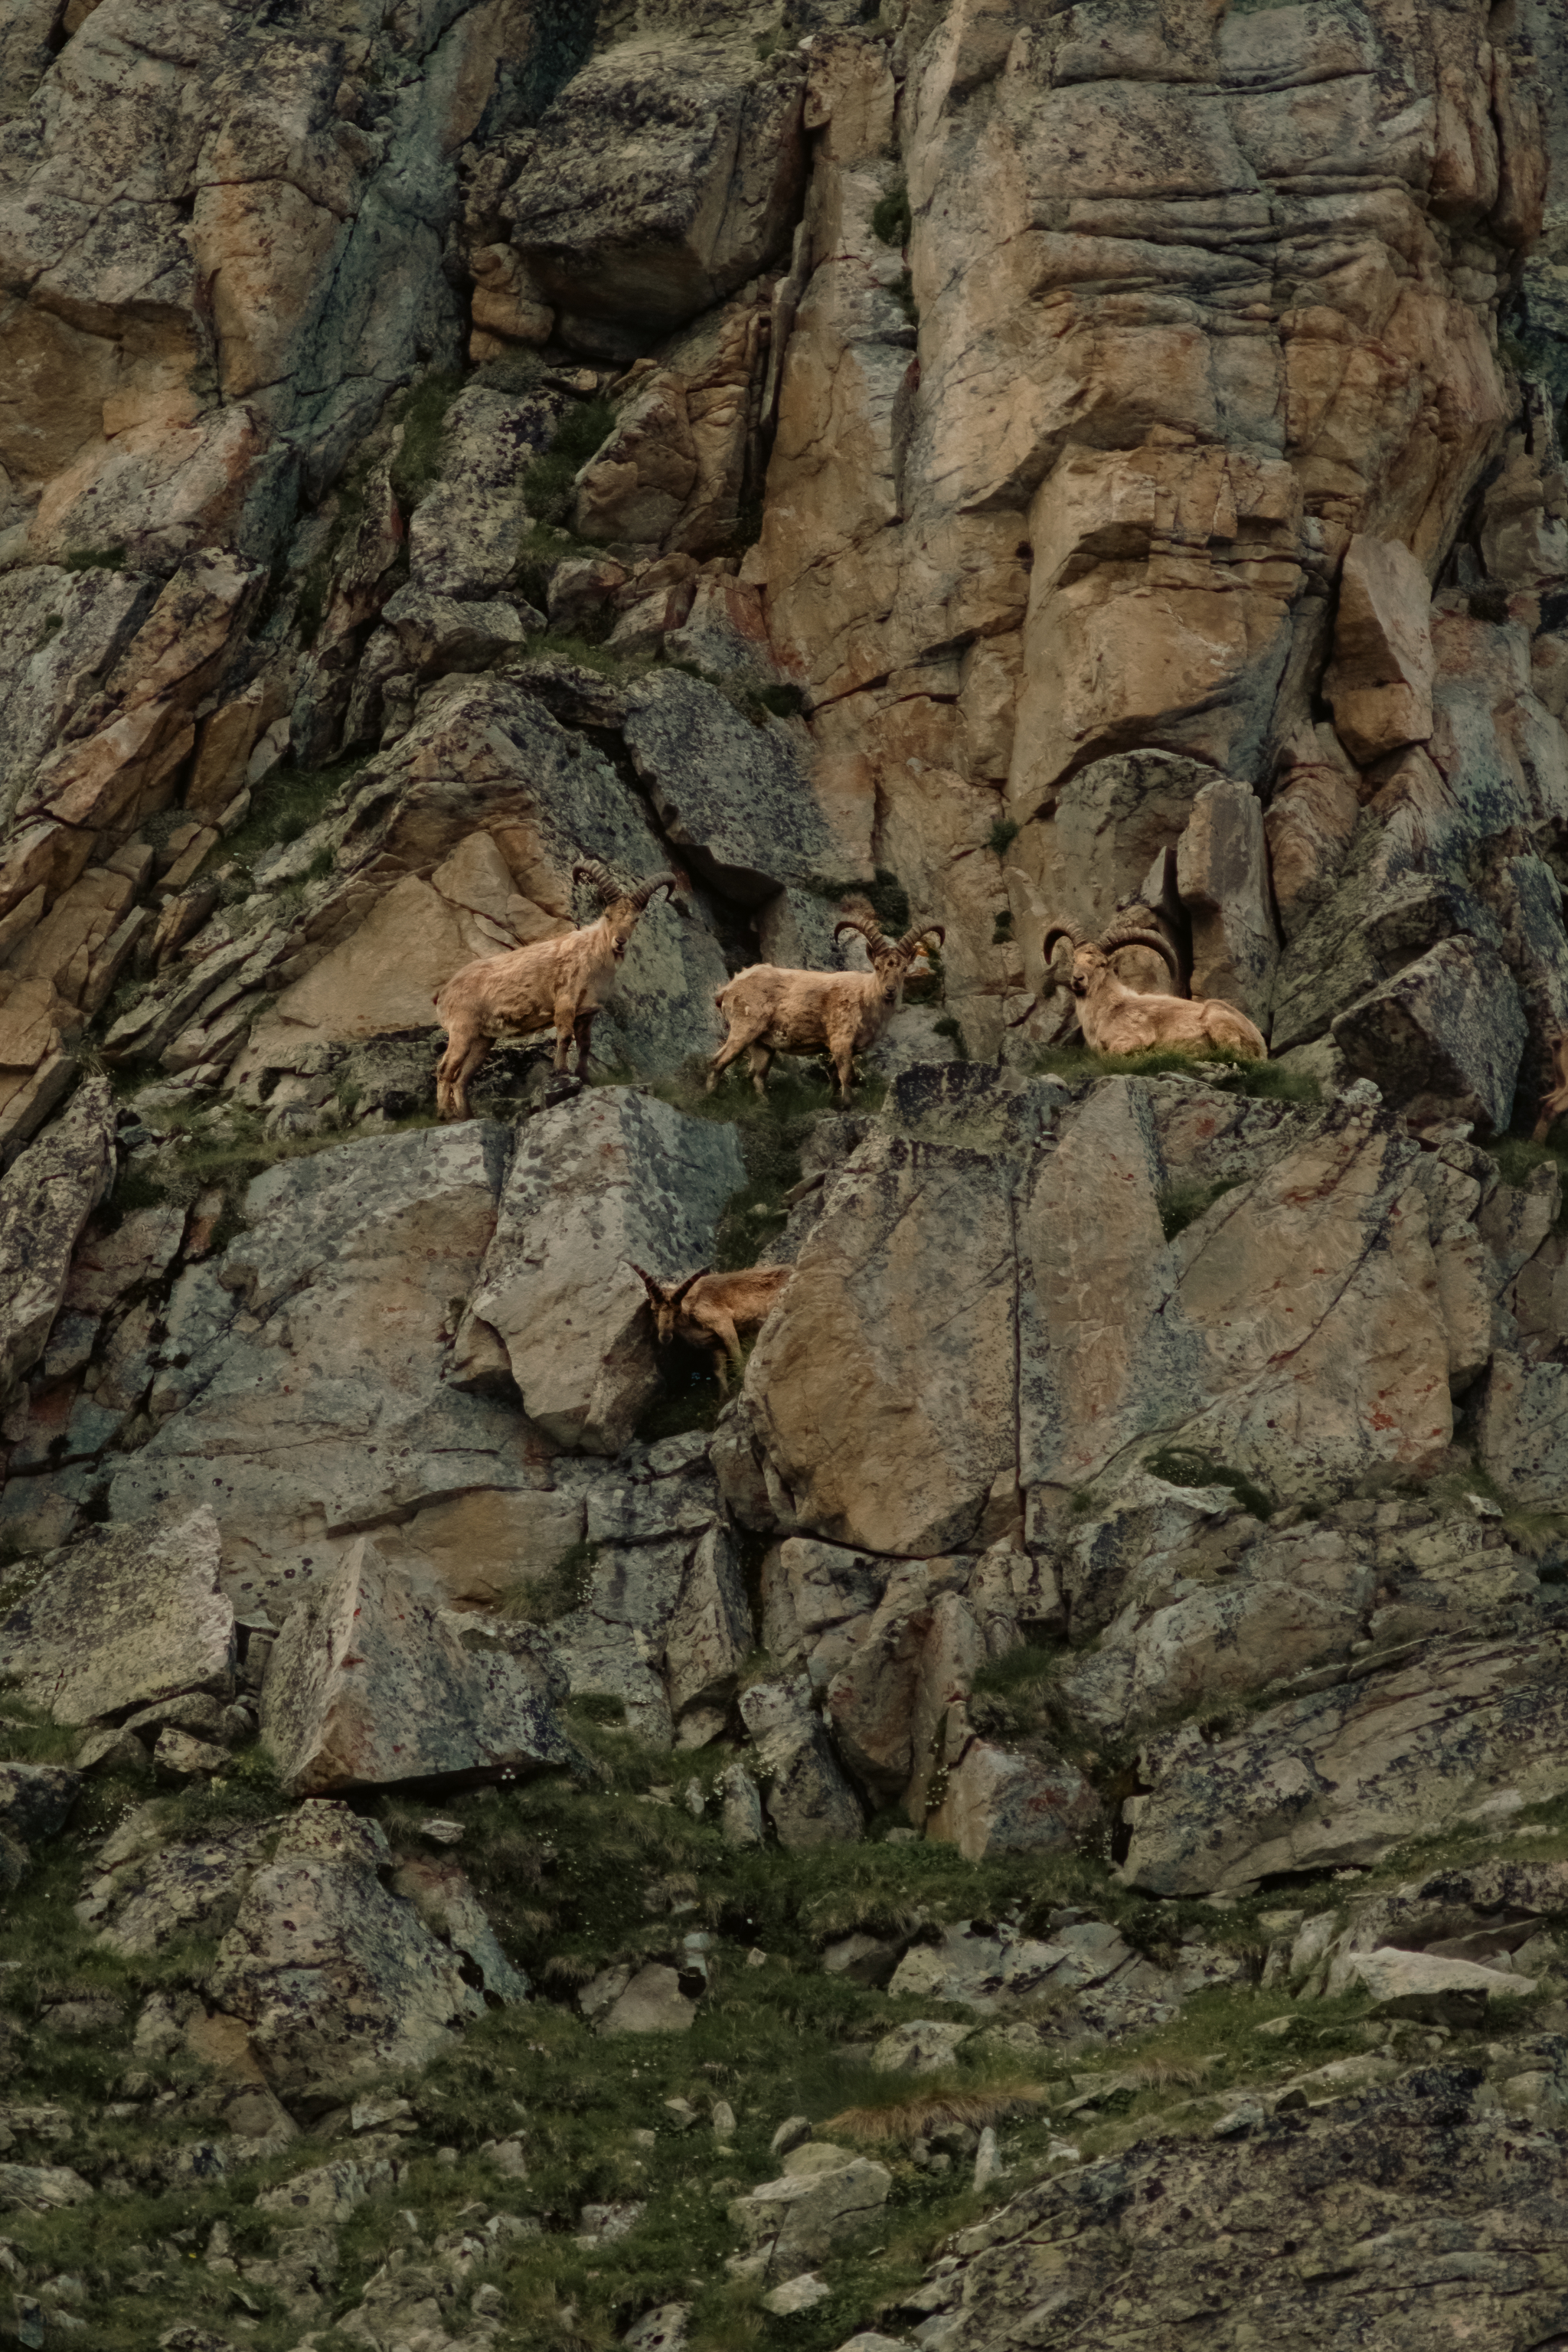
x: 552, y: 984
x: 1116, y: 1020
x: 710, y: 1310
x: 1554, y: 1102
x: 771, y: 1011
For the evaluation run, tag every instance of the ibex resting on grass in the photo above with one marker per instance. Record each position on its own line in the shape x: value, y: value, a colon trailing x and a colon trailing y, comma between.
x: 710, y: 1310
x: 1116, y: 1019
x: 552, y: 984
x: 773, y: 1010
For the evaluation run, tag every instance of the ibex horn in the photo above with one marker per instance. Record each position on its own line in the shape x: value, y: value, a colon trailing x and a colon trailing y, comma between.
x: 858, y: 917
x: 1069, y: 931
x: 655, y: 1289
x: 645, y: 891
x: 1150, y: 939
x: 590, y: 869
x: 911, y: 940
x: 678, y: 1293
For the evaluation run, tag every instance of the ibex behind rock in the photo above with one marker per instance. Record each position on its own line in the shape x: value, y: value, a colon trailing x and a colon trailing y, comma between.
x: 774, y: 1011
x: 1554, y: 1102
x: 552, y: 984
x: 1116, y: 1019
x: 710, y: 1310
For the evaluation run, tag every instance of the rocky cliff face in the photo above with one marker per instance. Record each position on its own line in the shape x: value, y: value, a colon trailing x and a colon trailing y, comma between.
x: 1040, y: 1814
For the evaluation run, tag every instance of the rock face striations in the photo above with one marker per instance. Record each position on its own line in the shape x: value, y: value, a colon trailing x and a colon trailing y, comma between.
x: 1051, y: 1775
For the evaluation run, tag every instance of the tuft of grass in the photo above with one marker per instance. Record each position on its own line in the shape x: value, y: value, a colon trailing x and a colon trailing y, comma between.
x: 548, y: 485
x: 417, y: 461
x: 29, y: 1734
x: 1184, y: 1466
x: 924, y: 2110
x: 1182, y: 1205
x: 948, y: 1027
x: 94, y: 559
x: 1002, y: 835
x: 890, y: 219
x: 285, y: 804
x: 1001, y: 929
x: 540, y: 1600
x: 1489, y: 601
x: 1518, y: 1158
x: 1269, y: 1080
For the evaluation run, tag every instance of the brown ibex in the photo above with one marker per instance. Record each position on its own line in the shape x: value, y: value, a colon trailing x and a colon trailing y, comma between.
x: 771, y: 1010
x: 552, y: 983
x: 1554, y: 1102
x: 1116, y: 1019
x: 710, y: 1310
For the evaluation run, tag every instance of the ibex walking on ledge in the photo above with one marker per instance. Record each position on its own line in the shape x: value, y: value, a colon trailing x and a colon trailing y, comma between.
x: 552, y: 984
x: 771, y: 1010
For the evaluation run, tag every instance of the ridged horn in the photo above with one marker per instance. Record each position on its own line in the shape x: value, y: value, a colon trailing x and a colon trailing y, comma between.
x: 1069, y: 931
x: 645, y: 891
x: 858, y: 915
x: 591, y: 871
x: 678, y: 1293
x: 1114, y: 939
x: 911, y: 940
x: 655, y: 1289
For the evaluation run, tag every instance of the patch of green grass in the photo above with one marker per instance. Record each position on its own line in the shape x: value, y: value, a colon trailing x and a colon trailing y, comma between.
x: 1002, y: 835
x: 1182, y: 1205
x: 285, y: 804
x: 1270, y: 1080
x: 547, y: 484
x: 29, y: 1734
x: 1001, y: 929
x: 891, y: 220
x: 519, y: 371
x: 563, y: 1588
x: 94, y: 559
x: 1489, y: 601
x: 418, y: 458
x: 1518, y: 1158
x: 886, y: 897
x: 948, y: 1027
x: 1184, y: 1466
x: 248, y: 1789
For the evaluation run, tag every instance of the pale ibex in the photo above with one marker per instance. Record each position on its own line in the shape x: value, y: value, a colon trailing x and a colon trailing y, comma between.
x: 1116, y: 1019
x: 1554, y: 1102
x: 710, y: 1310
x: 552, y: 984
x: 774, y: 1011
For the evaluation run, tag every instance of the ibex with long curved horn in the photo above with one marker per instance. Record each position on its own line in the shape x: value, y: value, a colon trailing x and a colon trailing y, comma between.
x: 552, y: 983
x: 774, y: 1011
x: 710, y: 1310
x: 1116, y: 1019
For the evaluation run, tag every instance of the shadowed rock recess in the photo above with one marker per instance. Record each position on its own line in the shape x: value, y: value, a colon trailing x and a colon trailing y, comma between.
x: 1024, y: 1801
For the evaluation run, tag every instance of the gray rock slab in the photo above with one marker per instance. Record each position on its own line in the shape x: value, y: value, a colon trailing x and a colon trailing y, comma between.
x: 611, y: 1177
x: 368, y: 1686
x: 798, y: 2219
x: 45, y: 1200
x: 1343, y: 1776
x: 1442, y: 1038
x: 809, y: 1802
x: 127, y: 1615
x: 325, y: 1411
x: 652, y: 2002
x: 155, y: 1898
x: 736, y: 798
x: 335, y: 1976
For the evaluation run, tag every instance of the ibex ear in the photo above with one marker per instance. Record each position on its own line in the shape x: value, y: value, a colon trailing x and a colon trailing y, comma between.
x: 678, y: 1293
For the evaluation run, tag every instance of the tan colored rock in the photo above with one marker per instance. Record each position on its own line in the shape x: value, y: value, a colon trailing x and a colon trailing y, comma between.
x: 1222, y: 875
x: 1380, y: 679
x: 796, y: 2220
x: 872, y: 1428
x: 44, y: 1201
x: 652, y: 2002
x: 1008, y: 1801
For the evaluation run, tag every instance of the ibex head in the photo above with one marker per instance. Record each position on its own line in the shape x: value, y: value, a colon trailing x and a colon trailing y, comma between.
x: 666, y: 1299
x: 621, y: 903
x: 890, y: 958
x: 1091, y: 957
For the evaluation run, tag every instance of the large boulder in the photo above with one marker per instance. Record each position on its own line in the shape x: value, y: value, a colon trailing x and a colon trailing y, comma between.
x: 876, y: 1423
x: 369, y: 1684
x: 614, y: 1180
x: 1344, y: 1775
x: 1380, y: 679
x: 662, y: 178
x: 809, y: 1802
x: 336, y: 1977
x: 1443, y: 1038
x: 327, y: 1408
x: 128, y: 1615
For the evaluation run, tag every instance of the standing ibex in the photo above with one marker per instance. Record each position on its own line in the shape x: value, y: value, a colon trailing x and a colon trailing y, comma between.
x: 552, y: 984
x: 710, y: 1310
x: 773, y: 1010
x: 1116, y: 1019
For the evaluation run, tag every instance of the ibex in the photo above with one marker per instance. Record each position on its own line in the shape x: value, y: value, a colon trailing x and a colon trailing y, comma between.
x: 710, y: 1310
x: 1554, y: 1102
x: 771, y: 1011
x: 1116, y: 1019
x: 552, y: 984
